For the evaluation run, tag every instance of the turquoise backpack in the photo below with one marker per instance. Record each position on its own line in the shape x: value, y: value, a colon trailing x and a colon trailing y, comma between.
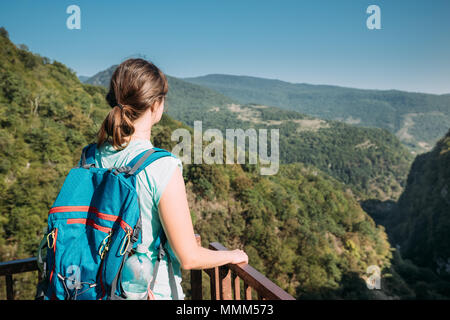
x: 93, y: 225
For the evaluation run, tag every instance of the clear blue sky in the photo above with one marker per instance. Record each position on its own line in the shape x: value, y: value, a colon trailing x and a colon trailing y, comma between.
x: 312, y: 41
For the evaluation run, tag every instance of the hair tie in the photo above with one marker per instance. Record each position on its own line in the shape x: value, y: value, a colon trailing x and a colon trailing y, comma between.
x: 120, y: 106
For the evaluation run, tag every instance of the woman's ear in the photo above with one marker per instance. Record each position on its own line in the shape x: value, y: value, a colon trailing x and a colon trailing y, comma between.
x: 158, y: 109
x: 157, y: 105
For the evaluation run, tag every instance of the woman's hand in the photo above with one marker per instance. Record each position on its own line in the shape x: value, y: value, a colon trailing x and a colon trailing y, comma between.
x: 238, y: 256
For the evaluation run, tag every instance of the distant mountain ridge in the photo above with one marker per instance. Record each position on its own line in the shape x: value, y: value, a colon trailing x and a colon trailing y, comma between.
x: 101, y: 78
x: 417, y: 119
x: 83, y: 78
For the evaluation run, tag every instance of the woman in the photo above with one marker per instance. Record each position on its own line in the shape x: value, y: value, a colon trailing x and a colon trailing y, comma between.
x: 136, y: 96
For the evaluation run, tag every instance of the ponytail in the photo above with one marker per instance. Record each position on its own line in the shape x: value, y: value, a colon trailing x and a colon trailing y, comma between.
x: 138, y: 84
x: 116, y: 128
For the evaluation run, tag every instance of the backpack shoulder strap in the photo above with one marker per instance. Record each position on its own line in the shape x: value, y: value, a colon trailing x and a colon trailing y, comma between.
x: 88, y: 156
x: 162, y: 251
x: 145, y: 158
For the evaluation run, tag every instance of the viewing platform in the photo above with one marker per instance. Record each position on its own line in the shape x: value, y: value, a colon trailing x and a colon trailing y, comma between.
x: 226, y: 282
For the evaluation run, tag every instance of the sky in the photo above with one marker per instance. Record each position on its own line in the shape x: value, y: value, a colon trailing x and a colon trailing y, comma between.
x: 300, y: 41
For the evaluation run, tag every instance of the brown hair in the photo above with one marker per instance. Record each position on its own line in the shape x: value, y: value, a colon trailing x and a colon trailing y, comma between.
x: 135, y: 86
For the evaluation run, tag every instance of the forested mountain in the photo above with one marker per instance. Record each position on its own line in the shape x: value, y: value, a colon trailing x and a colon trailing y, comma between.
x: 417, y: 119
x: 418, y: 224
x: 301, y: 228
x: 371, y: 161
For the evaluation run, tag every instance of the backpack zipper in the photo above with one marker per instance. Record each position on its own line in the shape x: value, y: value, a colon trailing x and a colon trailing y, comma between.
x: 90, y: 223
x: 101, y: 215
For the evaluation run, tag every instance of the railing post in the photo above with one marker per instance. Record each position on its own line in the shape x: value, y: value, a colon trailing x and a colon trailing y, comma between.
x: 9, y: 287
x: 225, y: 283
x: 196, y: 278
x: 237, y: 287
x: 215, y: 283
x: 247, y: 291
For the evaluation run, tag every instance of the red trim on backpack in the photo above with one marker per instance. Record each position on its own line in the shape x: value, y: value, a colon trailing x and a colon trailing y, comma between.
x: 89, y: 222
x: 109, y: 217
x: 69, y: 209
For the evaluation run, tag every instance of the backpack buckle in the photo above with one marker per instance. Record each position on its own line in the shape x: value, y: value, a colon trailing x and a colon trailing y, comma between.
x: 119, y: 170
x: 161, y: 252
x: 88, y: 166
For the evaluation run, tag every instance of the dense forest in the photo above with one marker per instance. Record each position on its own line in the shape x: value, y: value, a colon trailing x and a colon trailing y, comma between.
x: 371, y: 161
x: 303, y: 228
x: 417, y: 119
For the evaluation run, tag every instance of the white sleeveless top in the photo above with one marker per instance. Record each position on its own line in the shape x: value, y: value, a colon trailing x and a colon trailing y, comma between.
x: 150, y: 185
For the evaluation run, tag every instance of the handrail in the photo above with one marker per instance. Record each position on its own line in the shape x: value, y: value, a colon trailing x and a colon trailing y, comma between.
x: 9, y: 268
x: 254, y: 279
x: 224, y: 280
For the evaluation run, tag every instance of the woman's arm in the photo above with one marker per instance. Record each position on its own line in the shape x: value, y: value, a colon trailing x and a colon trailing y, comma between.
x: 176, y: 220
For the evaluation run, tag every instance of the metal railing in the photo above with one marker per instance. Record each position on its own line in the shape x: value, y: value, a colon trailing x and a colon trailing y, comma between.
x: 9, y: 268
x: 225, y: 281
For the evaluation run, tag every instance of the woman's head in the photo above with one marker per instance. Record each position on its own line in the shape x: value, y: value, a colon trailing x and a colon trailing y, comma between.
x: 137, y: 87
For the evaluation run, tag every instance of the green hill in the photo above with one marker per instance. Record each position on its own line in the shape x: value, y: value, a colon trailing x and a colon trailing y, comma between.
x: 417, y: 119
x: 301, y: 228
